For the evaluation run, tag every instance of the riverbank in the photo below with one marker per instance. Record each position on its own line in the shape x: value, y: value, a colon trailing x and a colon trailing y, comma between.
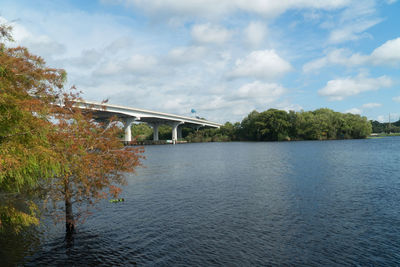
x: 152, y: 142
x: 381, y: 135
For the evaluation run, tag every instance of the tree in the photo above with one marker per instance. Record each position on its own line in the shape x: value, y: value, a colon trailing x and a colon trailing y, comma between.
x: 274, y: 124
x: 321, y: 124
x: 327, y: 120
x: 27, y: 87
x: 49, y: 147
x: 248, y: 129
x: 164, y: 132
x: 142, y: 131
x: 229, y: 131
x: 93, y: 161
x: 359, y: 127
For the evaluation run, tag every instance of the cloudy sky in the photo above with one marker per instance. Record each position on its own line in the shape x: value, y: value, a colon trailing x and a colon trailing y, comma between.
x: 222, y: 58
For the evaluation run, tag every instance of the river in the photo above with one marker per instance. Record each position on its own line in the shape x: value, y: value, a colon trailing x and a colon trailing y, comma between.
x: 315, y: 203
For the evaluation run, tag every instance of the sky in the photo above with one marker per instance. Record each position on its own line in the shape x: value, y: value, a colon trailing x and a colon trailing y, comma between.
x: 221, y: 58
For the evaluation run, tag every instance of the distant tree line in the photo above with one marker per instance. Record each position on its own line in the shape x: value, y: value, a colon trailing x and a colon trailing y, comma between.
x: 385, y: 127
x: 276, y: 125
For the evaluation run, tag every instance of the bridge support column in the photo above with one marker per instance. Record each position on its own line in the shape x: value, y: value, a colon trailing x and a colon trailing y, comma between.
x: 155, y: 132
x: 127, y: 128
x: 175, y: 131
x: 155, y: 126
x: 179, y: 132
x: 155, y: 129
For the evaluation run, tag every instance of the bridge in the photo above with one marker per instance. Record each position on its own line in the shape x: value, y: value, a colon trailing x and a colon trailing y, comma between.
x: 127, y: 115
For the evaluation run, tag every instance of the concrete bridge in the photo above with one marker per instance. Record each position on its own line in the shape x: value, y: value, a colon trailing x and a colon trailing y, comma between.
x: 128, y: 115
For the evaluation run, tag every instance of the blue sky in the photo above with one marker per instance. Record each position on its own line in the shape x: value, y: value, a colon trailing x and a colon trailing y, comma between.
x: 222, y: 58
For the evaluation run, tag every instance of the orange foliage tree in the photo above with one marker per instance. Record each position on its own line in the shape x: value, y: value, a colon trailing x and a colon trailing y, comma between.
x: 27, y: 88
x: 93, y: 160
x: 49, y: 147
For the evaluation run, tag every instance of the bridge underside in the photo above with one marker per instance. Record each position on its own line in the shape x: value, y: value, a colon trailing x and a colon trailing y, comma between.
x: 128, y: 120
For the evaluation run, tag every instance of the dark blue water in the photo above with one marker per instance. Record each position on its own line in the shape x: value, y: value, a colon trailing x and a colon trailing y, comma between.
x: 239, y: 204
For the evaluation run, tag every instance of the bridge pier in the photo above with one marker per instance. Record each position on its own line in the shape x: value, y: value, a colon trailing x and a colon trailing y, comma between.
x: 179, y: 132
x: 155, y: 126
x: 155, y: 132
x: 127, y: 128
x: 127, y: 115
x: 175, y: 131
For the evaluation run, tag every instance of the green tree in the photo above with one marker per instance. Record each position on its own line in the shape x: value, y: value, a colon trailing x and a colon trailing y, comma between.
x: 229, y: 131
x: 326, y: 119
x: 274, y: 125
x: 142, y: 131
x: 309, y: 126
x: 249, y: 130
x: 359, y: 127
x: 165, y: 132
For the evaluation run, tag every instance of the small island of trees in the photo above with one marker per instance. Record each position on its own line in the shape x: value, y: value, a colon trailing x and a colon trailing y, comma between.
x: 275, y: 125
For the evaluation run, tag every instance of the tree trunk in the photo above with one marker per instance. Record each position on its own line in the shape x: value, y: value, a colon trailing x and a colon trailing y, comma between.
x: 69, y: 216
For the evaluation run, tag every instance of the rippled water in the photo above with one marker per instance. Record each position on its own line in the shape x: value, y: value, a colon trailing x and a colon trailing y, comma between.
x: 298, y: 203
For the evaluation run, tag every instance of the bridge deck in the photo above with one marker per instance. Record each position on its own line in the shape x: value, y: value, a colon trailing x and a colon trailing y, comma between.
x: 128, y: 115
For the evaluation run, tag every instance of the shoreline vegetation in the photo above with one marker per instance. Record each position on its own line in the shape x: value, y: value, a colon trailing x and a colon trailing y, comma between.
x: 272, y: 125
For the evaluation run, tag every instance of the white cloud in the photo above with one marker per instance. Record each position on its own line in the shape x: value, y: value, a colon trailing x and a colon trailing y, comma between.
x: 336, y: 57
x: 285, y: 105
x: 211, y: 8
x: 186, y: 54
x: 176, y: 8
x: 351, y: 32
x: 262, y: 64
x: 354, y: 111
x: 265, y: 92
x: 339, y: 89
x: 353, y: 22
x: 386, y: 54
x: 365, y: 106
x: 396, y: 99
x: 120, y: 44
x: 316, y: 64
x: 256, y: 95
x: 381, y: 118
x: 272, y: 8
x: 87, y: 58
x: 372, y: 105
x: 42, y: 44
x: 255, y: 33
x: 208, y: 33
x: 45, y: 46
x: 140, y: 63
x: 136, y: 64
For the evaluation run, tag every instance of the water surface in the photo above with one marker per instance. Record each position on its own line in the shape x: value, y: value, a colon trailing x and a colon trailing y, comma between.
x: 239, y: 204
